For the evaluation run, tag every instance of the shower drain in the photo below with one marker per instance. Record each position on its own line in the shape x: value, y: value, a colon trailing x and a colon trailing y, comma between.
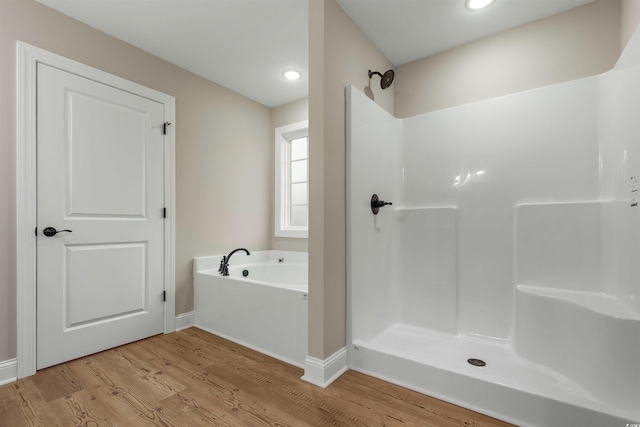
x: 477, y: 362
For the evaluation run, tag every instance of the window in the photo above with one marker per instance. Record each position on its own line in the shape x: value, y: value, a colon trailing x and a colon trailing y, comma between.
x: 292, y: 180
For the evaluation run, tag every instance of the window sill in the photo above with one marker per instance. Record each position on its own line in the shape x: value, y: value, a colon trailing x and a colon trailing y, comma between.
x: 297, y: 234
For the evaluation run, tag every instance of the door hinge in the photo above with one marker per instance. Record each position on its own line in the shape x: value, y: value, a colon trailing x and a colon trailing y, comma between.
x: 164, y: 212
x: 36, y: 231
x: 164, y: 127
x: 164, y: 296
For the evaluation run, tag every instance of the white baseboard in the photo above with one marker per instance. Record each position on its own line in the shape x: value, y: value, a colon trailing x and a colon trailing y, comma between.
x: 185, y: 320
x: 8, y: 371
x: 324, y: 372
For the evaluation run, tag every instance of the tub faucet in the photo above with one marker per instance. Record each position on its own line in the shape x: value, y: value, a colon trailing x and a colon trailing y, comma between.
x: 224, y: 263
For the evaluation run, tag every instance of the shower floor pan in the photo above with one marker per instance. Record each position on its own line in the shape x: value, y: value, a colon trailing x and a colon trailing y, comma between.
x: 508, y: 387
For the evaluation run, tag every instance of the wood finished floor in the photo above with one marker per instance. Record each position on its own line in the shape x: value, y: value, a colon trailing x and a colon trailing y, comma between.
x: 192, y: 378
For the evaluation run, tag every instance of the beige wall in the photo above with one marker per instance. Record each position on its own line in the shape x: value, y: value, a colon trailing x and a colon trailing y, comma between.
x: 630, y: 20
x: 339, y: 55
x: 223, y: 142
x: 283, y: 115
x: 580, y: 42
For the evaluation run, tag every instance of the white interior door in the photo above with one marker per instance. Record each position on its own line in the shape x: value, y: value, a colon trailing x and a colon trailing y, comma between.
x: 100, y: 175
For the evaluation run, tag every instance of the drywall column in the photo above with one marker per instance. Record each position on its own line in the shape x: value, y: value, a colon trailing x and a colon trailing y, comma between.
x: 339, y: 55
x: 316, y: 181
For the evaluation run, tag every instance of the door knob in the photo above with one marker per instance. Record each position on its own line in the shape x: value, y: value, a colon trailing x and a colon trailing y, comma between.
x: 50, y: 231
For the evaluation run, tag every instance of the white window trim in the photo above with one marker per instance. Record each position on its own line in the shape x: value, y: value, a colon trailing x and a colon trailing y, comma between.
x: 282, y: 135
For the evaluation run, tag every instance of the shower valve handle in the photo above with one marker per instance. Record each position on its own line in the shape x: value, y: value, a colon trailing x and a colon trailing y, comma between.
x: 376, y: 204
x: 382, y: 203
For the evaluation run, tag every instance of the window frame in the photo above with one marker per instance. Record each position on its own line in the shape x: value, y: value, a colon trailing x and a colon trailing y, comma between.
x: 283, y: 136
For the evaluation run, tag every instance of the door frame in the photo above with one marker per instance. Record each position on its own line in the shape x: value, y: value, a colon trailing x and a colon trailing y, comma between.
x: 28, y: 57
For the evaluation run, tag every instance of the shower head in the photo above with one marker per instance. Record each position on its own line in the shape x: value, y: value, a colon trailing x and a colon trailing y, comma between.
x: 386, y: 78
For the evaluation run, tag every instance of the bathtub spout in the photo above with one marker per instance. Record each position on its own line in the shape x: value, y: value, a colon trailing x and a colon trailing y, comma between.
x: 224, y: 263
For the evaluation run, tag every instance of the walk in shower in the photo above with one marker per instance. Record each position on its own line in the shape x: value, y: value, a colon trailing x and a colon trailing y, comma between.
x: 505, y: 277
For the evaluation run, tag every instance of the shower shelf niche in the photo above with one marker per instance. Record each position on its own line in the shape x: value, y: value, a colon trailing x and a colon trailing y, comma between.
x: 569, y: 338
x: 599, y: 303
x: 564, y: 317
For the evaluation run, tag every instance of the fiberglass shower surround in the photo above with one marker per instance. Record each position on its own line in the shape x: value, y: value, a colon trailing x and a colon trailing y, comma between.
x: 514, y: 238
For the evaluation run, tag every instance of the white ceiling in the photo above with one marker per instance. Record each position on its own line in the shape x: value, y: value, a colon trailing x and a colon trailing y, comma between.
x: 406, y: 30
x: 245, y: 45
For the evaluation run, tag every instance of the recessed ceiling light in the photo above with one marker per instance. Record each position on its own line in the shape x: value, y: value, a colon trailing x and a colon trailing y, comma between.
x: 291, y: 74
x: 478, y: 4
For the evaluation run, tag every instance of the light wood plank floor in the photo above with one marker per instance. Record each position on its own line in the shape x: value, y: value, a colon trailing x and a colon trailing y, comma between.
x: 192, y: 378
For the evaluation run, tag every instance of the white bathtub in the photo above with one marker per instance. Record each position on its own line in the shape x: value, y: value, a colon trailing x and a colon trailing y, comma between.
x: 266, y: 310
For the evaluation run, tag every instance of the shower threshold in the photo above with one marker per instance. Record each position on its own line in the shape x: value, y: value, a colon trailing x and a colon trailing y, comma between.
x: 508, y: 387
